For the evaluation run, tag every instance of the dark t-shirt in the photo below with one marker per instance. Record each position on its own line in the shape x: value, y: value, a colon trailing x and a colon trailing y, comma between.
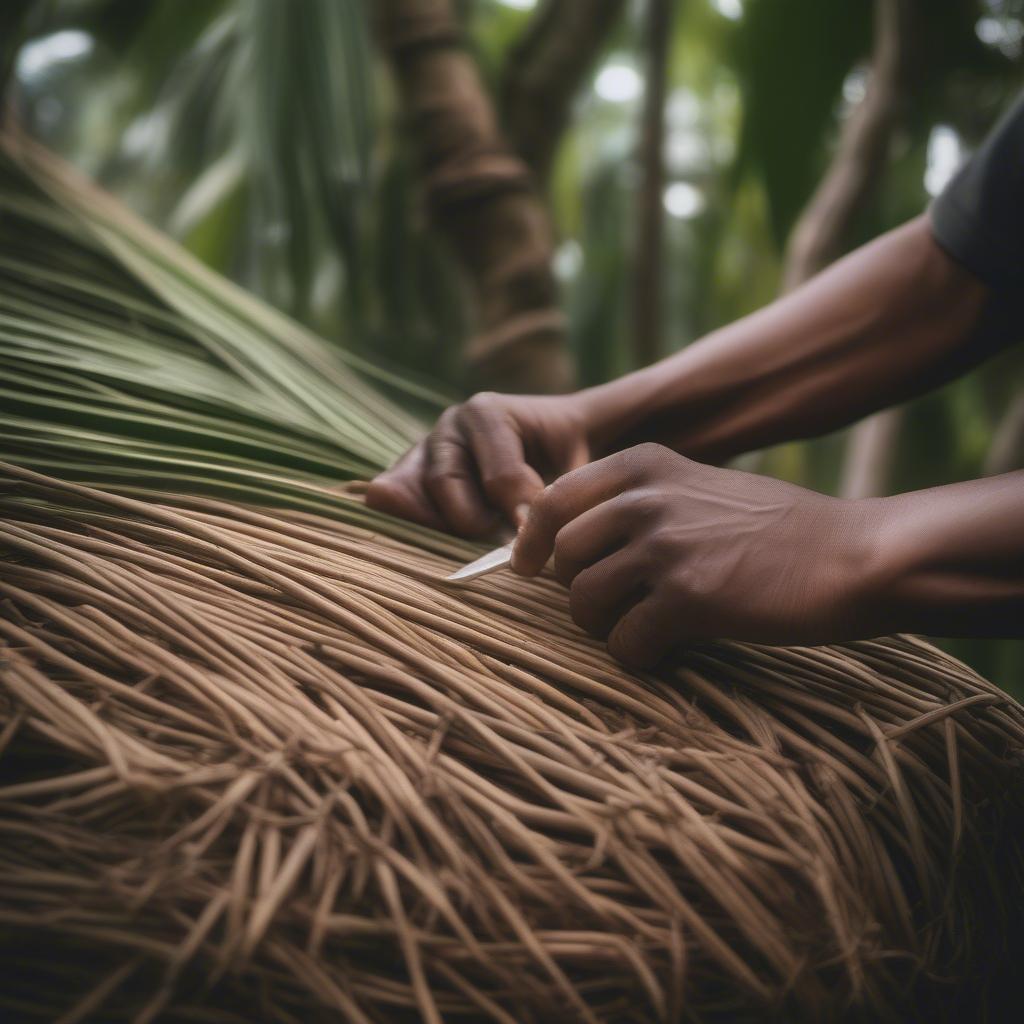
x: 979, y: 218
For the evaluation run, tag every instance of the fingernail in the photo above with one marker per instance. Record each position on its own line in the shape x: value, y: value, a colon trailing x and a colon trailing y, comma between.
x: 520, y: 513
x: 514, y: 561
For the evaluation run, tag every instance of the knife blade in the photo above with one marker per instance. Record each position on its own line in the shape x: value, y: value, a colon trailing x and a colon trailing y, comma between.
x: 491, y: 562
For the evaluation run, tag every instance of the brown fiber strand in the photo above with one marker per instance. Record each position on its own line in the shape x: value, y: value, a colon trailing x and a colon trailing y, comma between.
x: 291, y: 775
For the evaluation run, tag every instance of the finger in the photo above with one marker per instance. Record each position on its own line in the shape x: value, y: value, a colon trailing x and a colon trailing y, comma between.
x: 568, y: 497
x: 400, y: 491
x: 590, y: 537
x: 507, y: 479
x: 571, y: 452
x: 603, y: 593
x: 451, y: 481
x: 646, y: 633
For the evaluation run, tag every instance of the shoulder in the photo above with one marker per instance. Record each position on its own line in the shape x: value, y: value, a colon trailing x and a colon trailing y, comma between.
x: 979, y: 218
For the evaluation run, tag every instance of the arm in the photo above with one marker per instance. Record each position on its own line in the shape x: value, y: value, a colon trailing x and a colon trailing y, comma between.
x: 892, y: 320
x: 657, y: 550
x: 888, y: 322
x: 950, y: 560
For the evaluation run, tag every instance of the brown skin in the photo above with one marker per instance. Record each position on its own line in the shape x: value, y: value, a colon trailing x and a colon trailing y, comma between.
x: 658, y: 549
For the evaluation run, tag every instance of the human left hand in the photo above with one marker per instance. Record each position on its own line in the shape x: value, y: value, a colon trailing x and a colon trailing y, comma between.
x: 657, y: 550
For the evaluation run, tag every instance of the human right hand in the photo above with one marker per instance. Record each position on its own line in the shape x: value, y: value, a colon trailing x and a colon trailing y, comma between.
x: 484, y: 462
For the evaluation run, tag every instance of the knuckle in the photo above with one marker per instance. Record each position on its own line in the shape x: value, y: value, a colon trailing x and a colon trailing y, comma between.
x: 690, y: 588
x: 581, y: 605
x: 502, y: 480
x: 566, y: 567
x: 381, y: 492
x: 645, y: 504
x: 662, y: 545
x: 441, y: 448
x: 545, y: 506
x: 651, y: 451
x: 481, y: 402
x: 385, y: 478
x: 435, y: 475
x: 622, y: 645
x: 447, y: 421
x: 565, y: 544
x: 642, y: 460
x: 446, y: 455
x: 628, y: 645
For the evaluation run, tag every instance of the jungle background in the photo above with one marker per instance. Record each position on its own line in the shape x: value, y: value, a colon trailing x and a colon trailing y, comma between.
x: 605, y: 182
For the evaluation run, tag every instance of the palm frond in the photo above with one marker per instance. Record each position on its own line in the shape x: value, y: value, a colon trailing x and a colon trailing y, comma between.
x: 112, y: 335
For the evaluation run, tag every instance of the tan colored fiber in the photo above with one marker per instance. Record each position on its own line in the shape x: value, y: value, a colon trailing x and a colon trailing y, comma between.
x: 265, y: 766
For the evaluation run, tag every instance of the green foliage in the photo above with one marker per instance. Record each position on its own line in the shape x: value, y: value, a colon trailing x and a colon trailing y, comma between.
x: 128, y: 364
x: 247, y: 127
x: 792, y: 57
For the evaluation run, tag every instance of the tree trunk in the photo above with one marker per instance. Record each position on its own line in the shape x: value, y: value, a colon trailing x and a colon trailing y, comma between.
x: 544, y: 71
x: 823, y: 230
x: 480, y: 197
x: 822, y: 233
x: 647, y: 264
x: 867, y: 468
x: 1006, y: 452
x: 17, y: 18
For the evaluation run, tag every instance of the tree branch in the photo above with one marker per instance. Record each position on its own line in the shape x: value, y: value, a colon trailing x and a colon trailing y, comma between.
x: 823, y: 230
x: 1006, y: 452
x: 480, y: 197
x: 647, y: 264
x: 822, y: 233
x: 543, y: 73
x: 17, y: 18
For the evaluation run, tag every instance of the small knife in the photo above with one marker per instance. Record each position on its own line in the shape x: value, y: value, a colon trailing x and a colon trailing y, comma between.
x: 492, y: 561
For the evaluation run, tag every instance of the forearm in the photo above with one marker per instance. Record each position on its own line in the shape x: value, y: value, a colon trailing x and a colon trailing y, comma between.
x: 890, y: 321
x: 949, y: 561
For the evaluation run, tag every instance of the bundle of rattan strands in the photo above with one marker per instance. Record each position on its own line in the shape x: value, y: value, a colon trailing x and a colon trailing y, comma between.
x: 264, y: 766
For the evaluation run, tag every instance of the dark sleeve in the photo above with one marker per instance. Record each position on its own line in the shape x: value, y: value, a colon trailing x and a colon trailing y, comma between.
x: 979, y: 218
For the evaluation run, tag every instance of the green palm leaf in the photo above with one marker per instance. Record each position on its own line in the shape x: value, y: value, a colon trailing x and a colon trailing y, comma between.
x: 127, y: 363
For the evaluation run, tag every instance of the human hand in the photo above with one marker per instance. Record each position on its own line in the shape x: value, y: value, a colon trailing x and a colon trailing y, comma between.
x: 485, y: 460
x: 656, y: 550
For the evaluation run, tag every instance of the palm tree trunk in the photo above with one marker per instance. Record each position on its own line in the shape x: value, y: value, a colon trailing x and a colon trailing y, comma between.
x: 543, y: 73
x: 480, y: 197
